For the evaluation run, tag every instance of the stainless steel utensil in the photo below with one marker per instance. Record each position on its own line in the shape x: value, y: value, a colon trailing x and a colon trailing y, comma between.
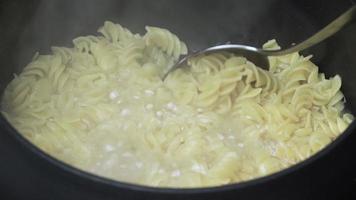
x: 259, y: 56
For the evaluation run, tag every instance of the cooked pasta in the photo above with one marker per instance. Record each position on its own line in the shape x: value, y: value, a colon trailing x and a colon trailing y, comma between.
x: 102, y: 106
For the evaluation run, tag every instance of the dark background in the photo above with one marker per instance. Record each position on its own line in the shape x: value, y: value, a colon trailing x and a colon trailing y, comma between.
x: 28, y: 26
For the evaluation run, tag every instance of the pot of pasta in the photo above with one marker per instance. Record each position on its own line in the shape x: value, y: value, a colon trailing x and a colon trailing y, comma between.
x: 87, y: 114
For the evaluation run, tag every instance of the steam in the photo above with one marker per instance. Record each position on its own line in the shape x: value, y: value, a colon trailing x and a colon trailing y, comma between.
x: 199, y: 23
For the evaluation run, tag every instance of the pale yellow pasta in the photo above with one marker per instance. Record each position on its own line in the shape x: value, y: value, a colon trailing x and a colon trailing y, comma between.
x: 102, y: 106
x: 165, y: 40
x: 209, y: 64
x: 116, y: 33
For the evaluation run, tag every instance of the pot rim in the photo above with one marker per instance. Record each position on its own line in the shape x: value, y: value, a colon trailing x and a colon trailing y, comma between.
x: 167, y: 190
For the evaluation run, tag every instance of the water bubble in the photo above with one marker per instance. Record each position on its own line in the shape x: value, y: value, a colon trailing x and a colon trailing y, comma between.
x: 241, y: 145
x: 113, y: 94
x: 221, y: 136
x: 231, y: 137
x: 159, y: 113
x: 125, y: 112
x: 109, y: 148
x: 149, y: 92
x: 176, y: 173
x: 198, y: 168
x: 139, y: 164
x: 172, y: 106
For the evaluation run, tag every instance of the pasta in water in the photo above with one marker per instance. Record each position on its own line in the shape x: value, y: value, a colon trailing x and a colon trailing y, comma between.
x: 103, y: 107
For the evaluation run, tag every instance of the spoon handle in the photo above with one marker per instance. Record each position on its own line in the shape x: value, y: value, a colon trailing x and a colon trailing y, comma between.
x: 324, y: 33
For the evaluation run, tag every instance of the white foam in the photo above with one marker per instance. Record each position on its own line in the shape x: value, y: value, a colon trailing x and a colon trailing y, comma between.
x: 125, y: 112
x: 172, y: 106
x: 109, y: 148
x: 204, y: 120
x: 176, y: 173
x: 149, y: 92
x: 159, y: 113
x: 198, y: 168
x: 221, y: 136
x: 199, y: 110
x: 241, y: 145
x: 113, y: 94
x: 139, y: 164
x: 231, y: 137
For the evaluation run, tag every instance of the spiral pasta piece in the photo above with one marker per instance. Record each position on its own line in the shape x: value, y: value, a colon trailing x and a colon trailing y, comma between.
x: 165, y: 40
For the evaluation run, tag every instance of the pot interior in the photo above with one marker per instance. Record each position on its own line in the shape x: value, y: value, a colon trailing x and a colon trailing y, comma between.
x: 31, y: 26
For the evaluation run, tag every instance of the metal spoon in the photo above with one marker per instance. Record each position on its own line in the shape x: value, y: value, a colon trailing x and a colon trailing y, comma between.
x: 259, y: 56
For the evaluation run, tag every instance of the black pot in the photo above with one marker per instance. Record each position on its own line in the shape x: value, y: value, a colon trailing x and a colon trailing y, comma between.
x: 28, y: 26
